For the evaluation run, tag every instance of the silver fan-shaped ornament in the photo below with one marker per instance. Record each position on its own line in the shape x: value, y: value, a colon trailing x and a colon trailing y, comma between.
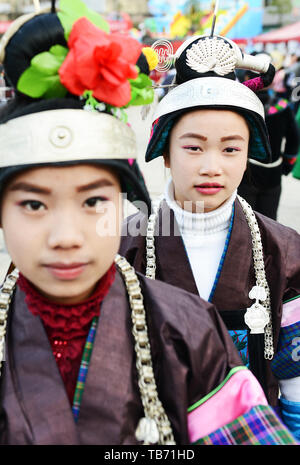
x: 211, y: 54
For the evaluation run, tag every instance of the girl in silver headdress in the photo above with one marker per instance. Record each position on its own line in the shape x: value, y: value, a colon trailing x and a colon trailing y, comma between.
x: 206, y: 239
x: 79, y: 364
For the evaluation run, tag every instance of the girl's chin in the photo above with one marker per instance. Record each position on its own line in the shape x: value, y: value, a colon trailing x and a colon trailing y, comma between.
x: 58, y: 295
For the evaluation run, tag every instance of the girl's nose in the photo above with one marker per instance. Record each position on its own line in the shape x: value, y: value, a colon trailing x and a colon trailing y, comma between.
x: 65, y: 232
x: 210, y: 165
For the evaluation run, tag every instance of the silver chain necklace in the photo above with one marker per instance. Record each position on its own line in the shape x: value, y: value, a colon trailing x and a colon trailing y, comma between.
x: 5, y: 299
x: 155, y: 426
x: 258, y: 317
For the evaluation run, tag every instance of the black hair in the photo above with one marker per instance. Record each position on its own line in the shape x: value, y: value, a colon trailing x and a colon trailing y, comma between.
x: 21, y: 106
x: 35, y: 36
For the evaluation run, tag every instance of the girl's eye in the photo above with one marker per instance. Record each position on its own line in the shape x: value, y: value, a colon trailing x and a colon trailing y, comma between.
x: 192, y: 148
x: 33, y: 205
x: 232, y: 149
x: 93, y: 202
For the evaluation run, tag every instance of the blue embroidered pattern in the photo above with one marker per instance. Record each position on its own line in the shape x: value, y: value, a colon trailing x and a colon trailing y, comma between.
x: 256, y: 146
x: 286, y: 361
x: 83, y: 370
x: 240, y: 339
x: 160, y: 145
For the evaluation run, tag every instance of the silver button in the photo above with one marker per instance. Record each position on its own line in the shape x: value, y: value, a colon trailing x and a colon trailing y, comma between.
x: 61, y: 136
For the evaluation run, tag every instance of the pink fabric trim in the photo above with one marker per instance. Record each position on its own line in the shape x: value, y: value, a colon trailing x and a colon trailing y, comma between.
x: 240, y: 393
x: 254, y: 84
x: 290, y: 313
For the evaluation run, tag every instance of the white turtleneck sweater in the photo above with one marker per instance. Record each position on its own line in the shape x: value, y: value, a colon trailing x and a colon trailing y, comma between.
x: 204, y: 236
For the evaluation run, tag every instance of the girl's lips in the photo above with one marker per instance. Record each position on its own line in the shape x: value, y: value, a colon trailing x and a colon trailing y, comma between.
x: 209, y: 188
x: 66, y: 272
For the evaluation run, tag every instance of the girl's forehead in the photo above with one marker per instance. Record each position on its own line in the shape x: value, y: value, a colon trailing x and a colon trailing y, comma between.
x: 76, y: 173
x: 218, y: 120
x: 211, y: 114
x: 63, y: 181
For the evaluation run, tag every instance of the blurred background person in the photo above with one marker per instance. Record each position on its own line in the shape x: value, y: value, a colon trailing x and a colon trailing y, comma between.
x: 261, y: 184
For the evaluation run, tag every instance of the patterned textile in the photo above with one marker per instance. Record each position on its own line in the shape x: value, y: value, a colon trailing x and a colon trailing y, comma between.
x: 259, y: 426
x: 87, y: 352
x: 239, y: 392
x: 255, y: 84
x: 240, y: 340
x: 286, y: 361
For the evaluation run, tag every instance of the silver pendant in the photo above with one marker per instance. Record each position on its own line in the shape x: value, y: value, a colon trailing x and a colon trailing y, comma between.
x: 256, y: 316
x: 147, y: 431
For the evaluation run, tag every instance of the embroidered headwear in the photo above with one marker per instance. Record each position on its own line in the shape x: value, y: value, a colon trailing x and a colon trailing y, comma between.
x: 205, y: 78
x: 73, y: 81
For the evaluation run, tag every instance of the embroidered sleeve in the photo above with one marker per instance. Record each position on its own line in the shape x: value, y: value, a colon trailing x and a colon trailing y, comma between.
x: 238, y: 414
x: 286, y: 361
x: 286, y: 365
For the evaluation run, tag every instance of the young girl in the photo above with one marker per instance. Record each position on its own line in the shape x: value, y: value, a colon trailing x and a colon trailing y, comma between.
x: 205, y: 239
x: 95, y: 354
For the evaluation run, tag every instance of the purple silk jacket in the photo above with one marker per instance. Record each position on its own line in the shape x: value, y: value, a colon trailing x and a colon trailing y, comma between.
x: 192, y: 353
x: 281, y: 247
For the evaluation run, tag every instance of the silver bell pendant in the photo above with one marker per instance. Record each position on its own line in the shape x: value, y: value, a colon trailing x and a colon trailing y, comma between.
x: 147, y: 431
x: 256, y: 316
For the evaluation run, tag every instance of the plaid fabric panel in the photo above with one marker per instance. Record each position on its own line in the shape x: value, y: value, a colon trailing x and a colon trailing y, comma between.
x: 286, y: 361
x: 86, y: 356
x: 259, y: 426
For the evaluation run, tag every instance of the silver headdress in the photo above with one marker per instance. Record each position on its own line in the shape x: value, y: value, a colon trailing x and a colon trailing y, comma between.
x: 205, y: 78
x: 220, y: 55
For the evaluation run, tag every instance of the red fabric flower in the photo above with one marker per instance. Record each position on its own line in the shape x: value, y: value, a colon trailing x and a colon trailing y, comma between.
x: 100, y: 62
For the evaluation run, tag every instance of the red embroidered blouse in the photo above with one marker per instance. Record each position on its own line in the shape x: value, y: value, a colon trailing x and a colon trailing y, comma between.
x: 67, y: 326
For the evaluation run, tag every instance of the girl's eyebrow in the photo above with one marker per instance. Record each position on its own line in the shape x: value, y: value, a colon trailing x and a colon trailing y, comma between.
x: 28, y: 187
x: 199, y: 136
x: 192, y: 134
x: 233, y: 137
x: 95, y: 185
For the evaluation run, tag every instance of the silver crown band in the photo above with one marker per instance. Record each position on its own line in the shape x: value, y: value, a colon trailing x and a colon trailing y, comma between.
x: 206, y: 92
x: 56, y: 136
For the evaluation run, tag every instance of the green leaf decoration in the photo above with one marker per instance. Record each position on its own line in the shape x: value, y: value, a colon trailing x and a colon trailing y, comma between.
x: 142, y: 92
x: 41, y: 79
x: 55, y: 89
x: 31, y: 83
x: 71, y: 10
x: 47, y: 62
